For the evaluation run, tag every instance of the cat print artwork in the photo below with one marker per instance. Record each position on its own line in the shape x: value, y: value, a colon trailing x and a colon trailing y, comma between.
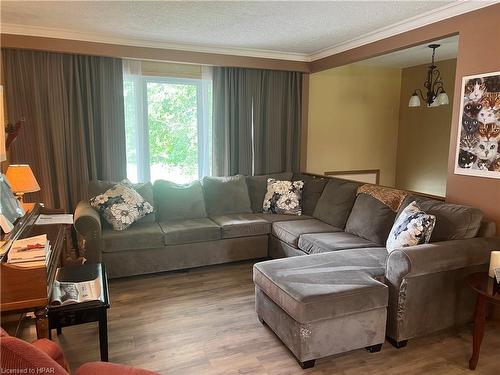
x: 468, y: 142
x: 475, y: 90
x: 466, y: 159
x: 488, y: 132
x: 486, y: 150
x: 470, y: 124
x: 486, y: 115
x: 478, y: 140
x: 495, y: 165
x: 472, y: 109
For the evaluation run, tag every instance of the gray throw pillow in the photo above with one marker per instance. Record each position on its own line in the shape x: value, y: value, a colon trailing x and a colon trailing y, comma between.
x: 179, y: 202
x: 336, y: 202
x: 257, y: 186
x: 370, y: 219
x: 226, y: 195
x: 121, y: 205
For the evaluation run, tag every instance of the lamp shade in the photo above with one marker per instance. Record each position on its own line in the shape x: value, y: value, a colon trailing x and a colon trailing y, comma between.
x: 494, y: 263
x: 21, y: 179
x: 442, y: 99
x: 414, y: 101
x: 3, y: 153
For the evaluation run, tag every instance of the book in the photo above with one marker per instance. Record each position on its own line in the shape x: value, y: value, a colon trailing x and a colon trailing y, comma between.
x: 70, y: 292
x: 31, y: 249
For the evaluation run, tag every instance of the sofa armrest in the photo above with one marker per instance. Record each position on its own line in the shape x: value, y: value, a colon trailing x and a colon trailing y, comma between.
x: 439, y: 257
x: 88, y: 225
x: 87, y: 220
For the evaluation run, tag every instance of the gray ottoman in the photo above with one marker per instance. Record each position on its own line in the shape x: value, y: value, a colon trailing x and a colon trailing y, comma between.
x: 324, y: 304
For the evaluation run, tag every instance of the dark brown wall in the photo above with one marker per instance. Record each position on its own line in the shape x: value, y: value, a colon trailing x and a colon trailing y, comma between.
x: 478, y: 52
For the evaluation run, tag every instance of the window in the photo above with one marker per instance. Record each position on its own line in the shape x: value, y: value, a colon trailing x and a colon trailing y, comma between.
x: 167, y: 125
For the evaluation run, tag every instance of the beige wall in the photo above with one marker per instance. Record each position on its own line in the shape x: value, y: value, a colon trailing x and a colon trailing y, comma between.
x: 424, y: 134
x: 353, y: 120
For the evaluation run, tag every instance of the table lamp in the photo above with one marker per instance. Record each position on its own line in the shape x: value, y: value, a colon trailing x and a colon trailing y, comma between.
x: 22, y: 180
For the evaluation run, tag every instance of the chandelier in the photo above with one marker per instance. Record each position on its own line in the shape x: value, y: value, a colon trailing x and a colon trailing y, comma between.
x: 435, y: 94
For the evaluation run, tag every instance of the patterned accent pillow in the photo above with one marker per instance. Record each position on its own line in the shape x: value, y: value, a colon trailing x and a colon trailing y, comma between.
x: 283, y: 197
x: 412, y: 227
x: 121, y: 205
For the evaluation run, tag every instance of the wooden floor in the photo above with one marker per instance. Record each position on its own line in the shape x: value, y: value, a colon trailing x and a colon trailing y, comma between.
x: 203, y: 322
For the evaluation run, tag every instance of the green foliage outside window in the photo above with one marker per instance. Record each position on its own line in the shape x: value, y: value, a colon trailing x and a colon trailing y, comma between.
x: 172, y: 121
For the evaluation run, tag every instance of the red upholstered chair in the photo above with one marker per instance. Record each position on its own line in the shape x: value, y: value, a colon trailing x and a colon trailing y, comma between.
x: 46, y: 357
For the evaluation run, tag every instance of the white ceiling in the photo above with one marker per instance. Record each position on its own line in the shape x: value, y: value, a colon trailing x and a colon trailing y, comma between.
x: 295, y: 30
x: 416, y: 55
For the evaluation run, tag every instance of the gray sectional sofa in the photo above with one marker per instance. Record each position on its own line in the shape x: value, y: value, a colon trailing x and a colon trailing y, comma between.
x: 420, y: 288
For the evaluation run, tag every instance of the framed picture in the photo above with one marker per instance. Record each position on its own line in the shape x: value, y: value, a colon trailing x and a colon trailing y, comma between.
x: 478, y: 148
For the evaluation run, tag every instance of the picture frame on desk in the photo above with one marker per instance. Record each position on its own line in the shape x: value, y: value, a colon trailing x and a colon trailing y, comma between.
x: 10, y: 207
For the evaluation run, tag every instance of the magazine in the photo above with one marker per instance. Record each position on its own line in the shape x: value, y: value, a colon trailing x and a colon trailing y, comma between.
x: 65, y: 293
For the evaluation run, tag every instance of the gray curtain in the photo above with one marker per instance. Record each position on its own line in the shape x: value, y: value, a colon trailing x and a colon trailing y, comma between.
x: 256, y: 121
x: 74, y: 130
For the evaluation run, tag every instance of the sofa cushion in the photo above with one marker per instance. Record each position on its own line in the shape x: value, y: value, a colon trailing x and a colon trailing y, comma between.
x: 324, y: 286
x: 290, y: 231
x: 273, y: 218
x: 370, y: 219
x: 313, y: 187
x: 145, y: 189
x: 136, y: 237
x: 189, y: 231
x: 453, y: 221
x: 257, y: 186
x: 226, y: 195
x: 242, y: 225
x: 179, y: 202
x: 336, y: 202
x: 323, y: 242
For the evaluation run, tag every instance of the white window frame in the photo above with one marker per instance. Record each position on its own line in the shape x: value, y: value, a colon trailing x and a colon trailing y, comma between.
x: 142, y: 132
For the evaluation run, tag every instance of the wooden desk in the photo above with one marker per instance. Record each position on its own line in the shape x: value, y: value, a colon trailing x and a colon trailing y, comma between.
x: 29, y: 289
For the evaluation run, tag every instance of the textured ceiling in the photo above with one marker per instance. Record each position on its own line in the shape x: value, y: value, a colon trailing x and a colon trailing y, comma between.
x: 285, y: 26
x: 416, y: 55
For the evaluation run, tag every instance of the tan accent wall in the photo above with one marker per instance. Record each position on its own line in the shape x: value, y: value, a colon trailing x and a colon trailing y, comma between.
x: 147, y: 53
x: 353, y: 120
x: 424, y: 134
x: 478, y: 52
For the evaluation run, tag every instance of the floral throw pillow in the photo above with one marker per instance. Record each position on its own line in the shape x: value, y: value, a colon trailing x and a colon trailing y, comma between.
x: 283, y: 197
x: 412, y: 227
x: 121, y: 205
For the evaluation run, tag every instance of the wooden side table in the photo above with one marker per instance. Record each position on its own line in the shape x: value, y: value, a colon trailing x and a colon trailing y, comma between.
x: 487, y: 291
x: 85, y: 312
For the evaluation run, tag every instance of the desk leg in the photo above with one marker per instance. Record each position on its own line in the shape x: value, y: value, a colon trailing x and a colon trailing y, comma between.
x: 477, y: 337
x: 42, y: 323
x: 103, y: 334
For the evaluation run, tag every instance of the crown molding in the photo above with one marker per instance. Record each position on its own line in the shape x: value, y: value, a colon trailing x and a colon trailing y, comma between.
x: 448, y: 11
x: 48, y: 32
